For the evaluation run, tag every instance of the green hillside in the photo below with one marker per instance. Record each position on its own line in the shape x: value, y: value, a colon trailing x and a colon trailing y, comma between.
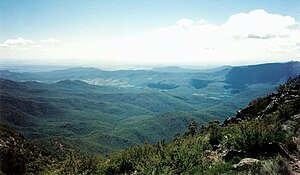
x: 95, y: 116
x: 104, y: 111
x: 262, y: 138
x: 74, y: 110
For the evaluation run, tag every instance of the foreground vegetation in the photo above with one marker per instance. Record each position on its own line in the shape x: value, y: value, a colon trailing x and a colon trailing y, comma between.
x: 267, y: 132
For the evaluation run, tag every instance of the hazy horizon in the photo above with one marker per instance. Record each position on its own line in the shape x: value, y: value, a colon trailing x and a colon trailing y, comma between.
x: 27, y: 67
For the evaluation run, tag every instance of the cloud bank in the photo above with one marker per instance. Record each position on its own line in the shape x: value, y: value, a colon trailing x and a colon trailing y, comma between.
x: 256, y: 36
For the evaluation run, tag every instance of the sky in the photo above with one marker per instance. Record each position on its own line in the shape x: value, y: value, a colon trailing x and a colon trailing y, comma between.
x: 157, y: 32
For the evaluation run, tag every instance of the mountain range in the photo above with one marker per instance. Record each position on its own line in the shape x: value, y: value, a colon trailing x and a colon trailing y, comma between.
x: 261, y: 138
x: 96, y: 111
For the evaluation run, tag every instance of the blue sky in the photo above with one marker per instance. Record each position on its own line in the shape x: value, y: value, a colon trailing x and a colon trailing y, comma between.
x: 71, y: 22
x: 38, y: 18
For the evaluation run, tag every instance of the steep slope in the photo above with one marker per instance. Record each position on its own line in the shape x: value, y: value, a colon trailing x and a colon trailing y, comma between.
x: 263, y: 138
x: 16, y: 153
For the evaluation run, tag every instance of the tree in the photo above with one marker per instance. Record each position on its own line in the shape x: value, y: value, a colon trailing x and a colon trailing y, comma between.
x: 192, y: 128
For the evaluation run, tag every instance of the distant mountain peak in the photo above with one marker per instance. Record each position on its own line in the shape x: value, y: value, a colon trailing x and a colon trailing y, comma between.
x: 274, y: 73
x: 68, y: 81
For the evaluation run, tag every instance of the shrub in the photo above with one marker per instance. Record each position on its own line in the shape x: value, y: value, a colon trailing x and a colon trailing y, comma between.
x: 76, y: 165
x: 277, y: 165
x: 215, y: 133
x: 254, y: 136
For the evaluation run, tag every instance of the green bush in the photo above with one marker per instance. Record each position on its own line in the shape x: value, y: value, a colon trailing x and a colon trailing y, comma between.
x: 215, y: 132
x: 253, y: 136
x: 76, y: 165
x: 274, y: 166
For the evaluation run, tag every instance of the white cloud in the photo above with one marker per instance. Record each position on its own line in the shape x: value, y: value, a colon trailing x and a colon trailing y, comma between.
x: 26, y: 44
x: 256, y: 36
x: 18, y: 41
x: 2, y: 46
x: 259, y: 23
x: 267, y: 36
x: 50, y: 40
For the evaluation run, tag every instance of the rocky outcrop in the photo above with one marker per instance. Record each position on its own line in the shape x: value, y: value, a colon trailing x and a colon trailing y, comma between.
x: 285, y: 106
x: 16, y: 152
x: 245, y: 161
x: 261, y: 107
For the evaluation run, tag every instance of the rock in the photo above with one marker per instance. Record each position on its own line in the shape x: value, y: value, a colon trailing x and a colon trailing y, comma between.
x: 215, y: 147
x: 135, y: 172
x: 287, y: 101
x: 271, y: 106
x: 227, y: 121
x: 239, y: 113
x: 3, y: 143
x: 245, y: 161
x: 296, y: 167
x: 296, y: 117
x: 231, y: 120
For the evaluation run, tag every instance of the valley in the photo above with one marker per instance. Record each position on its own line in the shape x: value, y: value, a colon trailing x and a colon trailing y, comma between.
x: 100, y: 112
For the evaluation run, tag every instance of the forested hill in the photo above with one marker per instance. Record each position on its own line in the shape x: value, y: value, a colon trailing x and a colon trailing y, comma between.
x: 241, y: 76
x: 262, y: 138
